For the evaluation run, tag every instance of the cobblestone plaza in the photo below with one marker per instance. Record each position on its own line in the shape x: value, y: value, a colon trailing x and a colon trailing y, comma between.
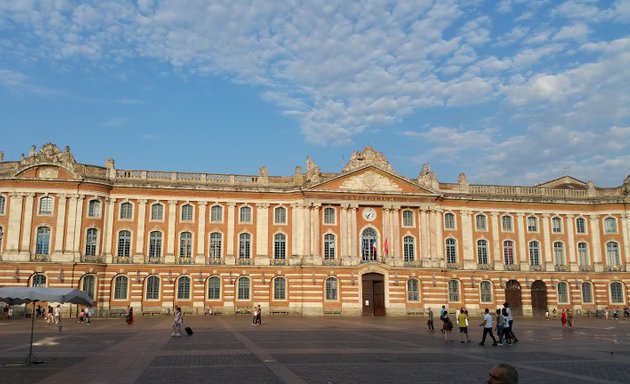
x: 330, y: 349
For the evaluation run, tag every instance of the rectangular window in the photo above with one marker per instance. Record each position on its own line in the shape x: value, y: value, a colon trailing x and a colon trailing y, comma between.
x: 481, y: 222
x: 580, y: 225
x: 587, y: 293
x: 45, y: 205
x: 329, y: 215
x: 486, y: 292
x: 407, y: 216
x: 453, y: 290
x: 556, y: 225
x: 532, y: 224
x: 506, y: 223
x: 449, y: 221
x: 216, y: 214
x: 563, y: 292
x: 94, y: 208
x: 245, y: 215
x: 610, y: 225
x: 280, y: 216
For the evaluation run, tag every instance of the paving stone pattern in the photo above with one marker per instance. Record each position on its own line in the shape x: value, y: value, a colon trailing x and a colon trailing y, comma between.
x: 227, y: 349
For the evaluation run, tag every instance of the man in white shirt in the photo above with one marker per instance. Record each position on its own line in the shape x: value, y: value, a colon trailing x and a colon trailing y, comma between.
x: 508, y: 321
x: 487, y: 328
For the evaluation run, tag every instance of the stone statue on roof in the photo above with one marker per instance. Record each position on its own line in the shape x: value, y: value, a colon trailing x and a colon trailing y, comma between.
x: 313, y: 174
x: 368, y: 156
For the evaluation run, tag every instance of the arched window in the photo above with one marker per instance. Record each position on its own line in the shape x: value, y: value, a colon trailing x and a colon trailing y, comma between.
x: 185, y: 244
x: 126, y: 211
x: 616, y: 293
x: 612, y: 254
x: 153, y: 288
x: 279, y: 288
x: 558, y: 252
x: 155, y: 246
x: 42, y: 243
x: 46, y: 205
x: 587, y: 292
x: 90, y: 242
x: 280, y: 215
x: 583, y: 259
x: 534, y: 253
x: 329, y: 246
x: 245, y: 215
x: 580, y: 225
x: 214, y: 288
x: 120, y: 287
x: 563, y: 293
x: 532, y: 224
x: 508, y: 252
x: 331, y: 289
x: 482, y: 252
x: 94, y: 208
x: 89, y: 285
x: 183, y: 288
x: 506, y: 223
x: 157, y: 212
x: 243, y: 288
x: 556, y: 225
x: 481, y: 222
x: 279, y: 246
x: 485, y: 290
x: 216, y: 214
x: 187, y: 212
x: 39, y: 280
x: 216, y: 240
x: 451, y: 250
x: 368, y: 244
x: 453, y: 290
x: 124, y: 243
x: 449, y: 221
x: 413, y: 290
x: 409, y: 248
x: 407, y: 218
x: 244, y: 246
x: 329, y: 215
x: 610, y: 225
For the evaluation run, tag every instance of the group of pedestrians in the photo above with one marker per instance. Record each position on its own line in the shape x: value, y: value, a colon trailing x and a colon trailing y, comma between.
x: 502, y: 323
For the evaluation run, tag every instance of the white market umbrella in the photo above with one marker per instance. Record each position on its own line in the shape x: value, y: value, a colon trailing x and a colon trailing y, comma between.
x: 25, y: 295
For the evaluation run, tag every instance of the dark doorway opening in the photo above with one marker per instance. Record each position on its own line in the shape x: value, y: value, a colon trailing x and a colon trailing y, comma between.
x: 513, y: 297
x: 539, y: 298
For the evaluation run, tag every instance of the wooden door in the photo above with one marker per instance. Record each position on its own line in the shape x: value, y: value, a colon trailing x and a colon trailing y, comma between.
x: 513, y: 297
x: 373, y: 285
x: 539, y: 298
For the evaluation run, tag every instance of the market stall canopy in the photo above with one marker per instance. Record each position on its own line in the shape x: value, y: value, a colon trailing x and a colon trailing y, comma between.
x: 21, y: 295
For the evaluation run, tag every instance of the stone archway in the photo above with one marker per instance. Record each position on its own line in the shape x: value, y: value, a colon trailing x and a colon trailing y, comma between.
x: 513, y: 297
x: 539, y: 298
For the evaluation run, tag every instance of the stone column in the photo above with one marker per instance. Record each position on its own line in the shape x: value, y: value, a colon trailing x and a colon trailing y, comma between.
x: 394, y: 242
x: 547, y: 260
x: 469, y: 261
x: 297, y: 228
x: 171, y: 236
x: 386, y: 233
x: 108, y: 232
x: 73, y: 203
x: 140, y: 235
x: 343, y: 231
x: 78, y: 224
x: 597, y: 243
x: 306, y: 236
x: 262, y: 234
x: 27, y: 227
x: 423, y: 236
x: 572, y: 259
x: 60, y: 226
x: 522, y: 245
x: 315, y: 232
x: 200, y: 258
x: 355, y: 244
x: 625, y: 229
x: 12, y: 230
x: 229, y: 241
x: 495, y: 248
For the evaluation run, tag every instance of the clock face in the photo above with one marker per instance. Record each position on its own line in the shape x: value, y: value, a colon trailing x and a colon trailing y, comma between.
x: 369, y: 214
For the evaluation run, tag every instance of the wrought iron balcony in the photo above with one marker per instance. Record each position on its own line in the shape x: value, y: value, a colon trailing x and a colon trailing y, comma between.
x: 155, y: 260
x: 615, y: 268
x: 512, y: 267
x: 91, y: 259
x: 279, y: 262
x: 485, y: 267
x: 561, y: 268
x: 215, y: 261
x: 184, y: 260
x: 535, y: 268
x: 586, y: 268
x: 244, y: 261
x: 40, y: 258
x: 122, y: 259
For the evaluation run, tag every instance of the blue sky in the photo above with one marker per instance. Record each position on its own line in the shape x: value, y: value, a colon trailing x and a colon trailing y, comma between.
x: 508, y: 92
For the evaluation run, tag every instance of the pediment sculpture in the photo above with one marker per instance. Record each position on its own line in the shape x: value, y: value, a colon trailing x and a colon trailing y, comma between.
x: 368, y: 156
x: 49, y: 153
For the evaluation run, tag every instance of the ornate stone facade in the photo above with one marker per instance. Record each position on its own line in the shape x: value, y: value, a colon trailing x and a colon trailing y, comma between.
x: 365, y: 241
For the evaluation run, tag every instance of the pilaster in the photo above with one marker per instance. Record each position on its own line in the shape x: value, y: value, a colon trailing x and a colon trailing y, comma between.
x: 202, y: 237
x: 27, y: 227
x: 598, y: 264
x: 229, y: 257
x: 140, y: 235
x: 171, y: 236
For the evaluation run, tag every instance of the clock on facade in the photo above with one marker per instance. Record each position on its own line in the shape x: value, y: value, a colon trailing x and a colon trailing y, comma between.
x: 369, y: 214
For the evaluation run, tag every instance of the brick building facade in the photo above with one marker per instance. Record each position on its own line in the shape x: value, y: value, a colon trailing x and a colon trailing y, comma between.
x: 364, y: 241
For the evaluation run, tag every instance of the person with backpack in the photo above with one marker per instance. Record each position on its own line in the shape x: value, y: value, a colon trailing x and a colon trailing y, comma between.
x: 447, y: 328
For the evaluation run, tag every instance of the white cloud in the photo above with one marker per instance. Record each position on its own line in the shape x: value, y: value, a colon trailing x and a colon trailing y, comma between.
x: 116, y: 122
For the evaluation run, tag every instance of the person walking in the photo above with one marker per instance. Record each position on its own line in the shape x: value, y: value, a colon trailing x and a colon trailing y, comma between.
x: 487, y: 328
x: 509, y: 323
x: 563, y: 318
x: 462, y: 323
x: 57, y: 315
x: 177, y: 322
x: 259, y: 316
x: 500, y: 325
x: 447, y: 328
x: 255, y: 318
x: 430, y: 320
x: 129, y: 317
x: 443, y: 313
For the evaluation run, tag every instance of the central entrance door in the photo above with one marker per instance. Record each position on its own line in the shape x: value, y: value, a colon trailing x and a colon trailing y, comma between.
x: 513, y: 297
x: 539, y: 297
x: 373, y: 285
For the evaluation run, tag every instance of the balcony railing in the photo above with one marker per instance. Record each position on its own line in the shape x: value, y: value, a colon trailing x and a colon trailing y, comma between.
x: 453, y: 266
x: 615, y: 268
x: 279, y: 262
x: 535, y: 268
x: 244, y: 261
x: 485, y: 267
x: 561, y: 268
x: 155, y: 260
x: 40, y: 258
x: 215, y: 261
x: 184, y: 260
x: 91, y: 259
x: 122, y: 259
x: 512, y: 267
x: 586, y: 268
